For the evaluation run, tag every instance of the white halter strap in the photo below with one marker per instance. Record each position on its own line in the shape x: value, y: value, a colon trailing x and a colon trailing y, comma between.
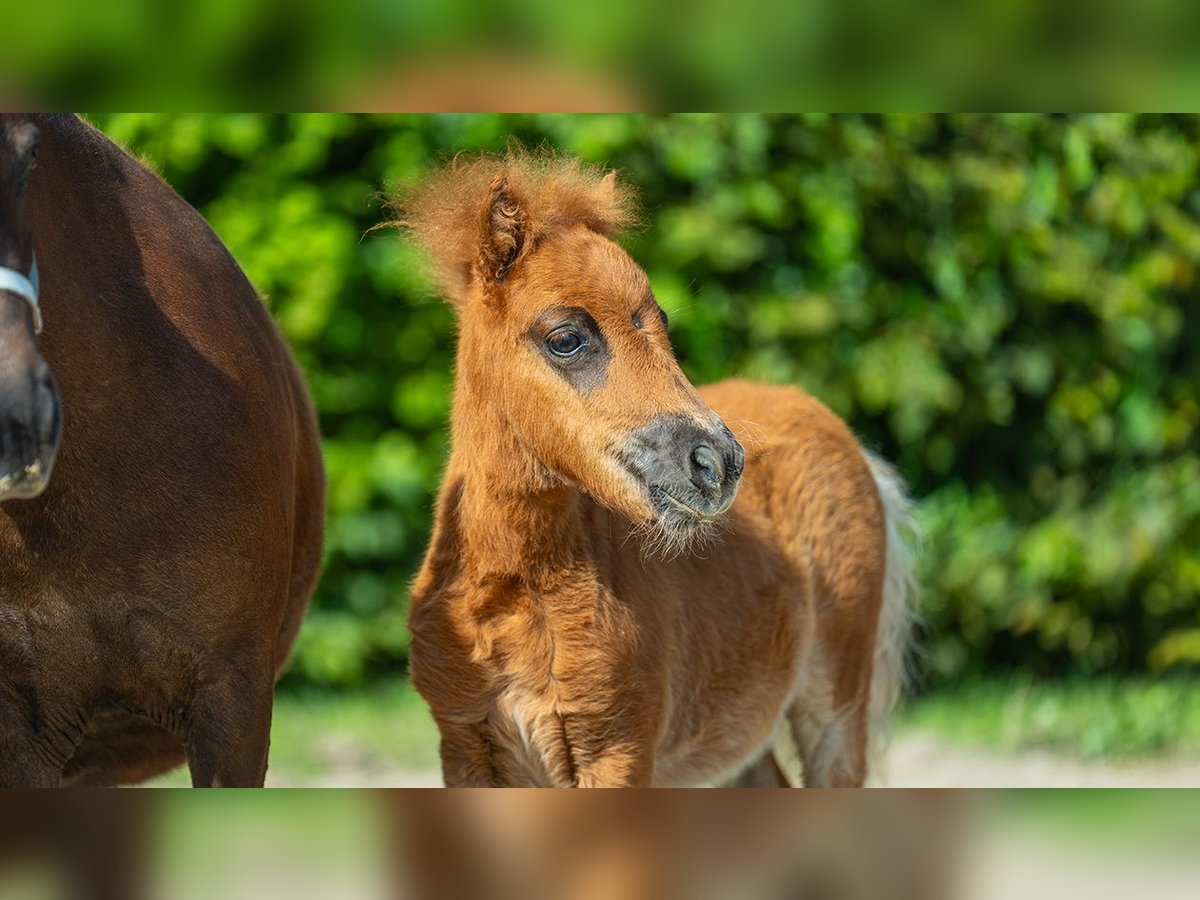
x: 26, y: 287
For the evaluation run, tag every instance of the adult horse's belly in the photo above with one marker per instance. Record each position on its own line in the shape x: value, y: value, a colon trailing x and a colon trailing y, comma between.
x: 174, y: 535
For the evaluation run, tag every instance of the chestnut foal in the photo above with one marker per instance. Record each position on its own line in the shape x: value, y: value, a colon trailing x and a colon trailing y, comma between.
x: 595, y: 607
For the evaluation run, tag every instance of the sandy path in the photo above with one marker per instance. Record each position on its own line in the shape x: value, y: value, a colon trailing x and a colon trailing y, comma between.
x: 923, y: 760
x: 913, y: 760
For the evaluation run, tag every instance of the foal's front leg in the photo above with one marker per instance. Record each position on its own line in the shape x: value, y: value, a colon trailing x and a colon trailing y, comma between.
x: 617, y: 769
x: 467, y: 755
x: 614, y: 746
x: 605, y: 754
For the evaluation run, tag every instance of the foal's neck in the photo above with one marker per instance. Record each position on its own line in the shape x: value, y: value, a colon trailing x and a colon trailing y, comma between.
x: 514, y: 518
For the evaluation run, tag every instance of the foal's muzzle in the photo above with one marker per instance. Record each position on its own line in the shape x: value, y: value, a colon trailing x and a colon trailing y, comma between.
x: 691, y: 472
x: 30, y: 424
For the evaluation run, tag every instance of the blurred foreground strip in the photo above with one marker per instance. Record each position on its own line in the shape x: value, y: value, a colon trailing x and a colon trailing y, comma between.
x: 689, y: 845
x: 560, y: 845
x: 728, y: 845
x: 82, y: 845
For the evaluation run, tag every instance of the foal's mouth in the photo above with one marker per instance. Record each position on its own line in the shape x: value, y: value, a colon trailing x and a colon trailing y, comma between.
x: 679, y: 527
x: 668, y: 507
x: 663, y: 500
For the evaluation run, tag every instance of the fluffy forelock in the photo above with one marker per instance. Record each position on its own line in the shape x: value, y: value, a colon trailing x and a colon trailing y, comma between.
x: 442, y: 212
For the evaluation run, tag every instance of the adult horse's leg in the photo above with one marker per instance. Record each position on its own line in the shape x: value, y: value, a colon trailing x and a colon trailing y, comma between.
x: 229, y: 726
x: 20, y: 763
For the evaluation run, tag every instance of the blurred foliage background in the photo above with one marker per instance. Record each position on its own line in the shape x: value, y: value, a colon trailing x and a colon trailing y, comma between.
x: 1007, y: 306
x: 761, y: 54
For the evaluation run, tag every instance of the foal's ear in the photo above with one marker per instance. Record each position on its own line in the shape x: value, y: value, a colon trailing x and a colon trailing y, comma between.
x: 502, y: 234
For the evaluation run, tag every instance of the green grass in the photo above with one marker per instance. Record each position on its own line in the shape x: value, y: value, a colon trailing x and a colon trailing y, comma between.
x: 1092, y: 719
x: 385, y: 730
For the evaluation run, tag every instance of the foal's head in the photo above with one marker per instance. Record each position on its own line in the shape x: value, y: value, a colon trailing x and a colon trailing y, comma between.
x: 29, y: 409
x: 562, y: 344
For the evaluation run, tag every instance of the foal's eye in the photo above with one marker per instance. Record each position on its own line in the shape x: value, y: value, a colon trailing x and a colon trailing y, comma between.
x: 565, y: 343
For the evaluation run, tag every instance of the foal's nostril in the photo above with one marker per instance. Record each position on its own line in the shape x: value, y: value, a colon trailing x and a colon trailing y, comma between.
x: 706, y: 464
x: 738, y: 463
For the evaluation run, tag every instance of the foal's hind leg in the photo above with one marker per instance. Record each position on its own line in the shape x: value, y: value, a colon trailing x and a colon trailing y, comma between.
x: 764, y: 772
x: 829, y: 717
x: 830, y: 713
x: 832, y: 741
x: 229, y: 729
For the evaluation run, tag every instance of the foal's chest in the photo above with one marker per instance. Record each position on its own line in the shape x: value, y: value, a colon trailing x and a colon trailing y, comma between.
x: 528, y: 739
x: 546, y: 669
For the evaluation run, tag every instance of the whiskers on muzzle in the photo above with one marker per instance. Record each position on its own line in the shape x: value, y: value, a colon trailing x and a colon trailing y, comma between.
x: 665, y: 538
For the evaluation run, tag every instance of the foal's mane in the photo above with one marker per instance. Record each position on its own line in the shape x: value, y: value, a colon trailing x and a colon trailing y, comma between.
x: 444, y: 211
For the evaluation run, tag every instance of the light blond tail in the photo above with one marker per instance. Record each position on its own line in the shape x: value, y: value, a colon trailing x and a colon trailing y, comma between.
x: 898, y: 616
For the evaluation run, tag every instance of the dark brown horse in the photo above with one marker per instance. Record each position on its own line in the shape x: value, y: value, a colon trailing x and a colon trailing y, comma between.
x: 152, y: 585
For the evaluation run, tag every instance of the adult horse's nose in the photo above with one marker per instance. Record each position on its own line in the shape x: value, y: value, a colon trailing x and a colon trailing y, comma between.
x: 30, y: 425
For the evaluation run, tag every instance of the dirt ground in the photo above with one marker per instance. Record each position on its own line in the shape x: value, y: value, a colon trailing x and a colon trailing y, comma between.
x: 923, y: 760
x: 912, y: 760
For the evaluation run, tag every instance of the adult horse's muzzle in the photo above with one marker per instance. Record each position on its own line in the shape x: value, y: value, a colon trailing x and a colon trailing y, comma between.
x: 691, y: 472
x: 30, y: 423
x: 30, y: 412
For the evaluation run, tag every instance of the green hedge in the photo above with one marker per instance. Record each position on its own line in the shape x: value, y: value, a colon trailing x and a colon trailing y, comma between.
x: 1006, y: 306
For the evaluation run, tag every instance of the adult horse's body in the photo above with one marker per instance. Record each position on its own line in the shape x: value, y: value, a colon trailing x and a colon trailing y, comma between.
x: 553, y: 639
x: 151, y: 591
